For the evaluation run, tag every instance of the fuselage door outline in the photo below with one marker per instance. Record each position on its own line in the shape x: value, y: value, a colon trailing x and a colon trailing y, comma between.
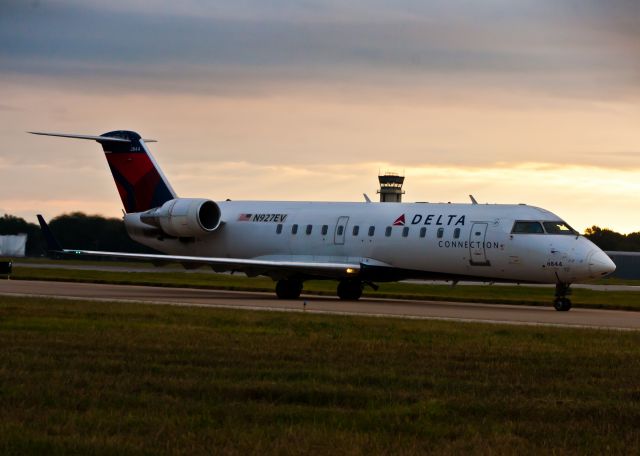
x: 341, y: 229
x: 477, y: 238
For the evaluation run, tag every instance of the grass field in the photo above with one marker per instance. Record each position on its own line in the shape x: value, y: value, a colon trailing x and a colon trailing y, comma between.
x: 96, y: 378
x: 626, y: 300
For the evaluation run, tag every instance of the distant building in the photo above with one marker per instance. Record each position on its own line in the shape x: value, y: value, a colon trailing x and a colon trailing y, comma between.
x: 627, y: 264
x: 13, y: 245
x: 391, y: 188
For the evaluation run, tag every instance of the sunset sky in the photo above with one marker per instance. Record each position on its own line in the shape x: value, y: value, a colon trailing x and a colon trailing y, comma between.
x: 518, y: 101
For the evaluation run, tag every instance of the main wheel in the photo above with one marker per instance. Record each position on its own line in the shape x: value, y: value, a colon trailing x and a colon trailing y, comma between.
x: 562, y: 304
x: 350, y: 290
x: 288, y: 288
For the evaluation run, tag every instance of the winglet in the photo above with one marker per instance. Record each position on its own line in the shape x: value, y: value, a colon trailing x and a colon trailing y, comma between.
x: 52, y: 243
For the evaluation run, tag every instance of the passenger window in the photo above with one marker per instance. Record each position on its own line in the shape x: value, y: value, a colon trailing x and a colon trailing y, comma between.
x: 340, y: 230
x: 387, y: 231
x: 279, y: 228
x: 356, y: 230
x: 294, y: 229
x: 309, y: 228
x: 456, y: 233
x: 405, y: 231
x: 325, y: 229
x: 440, y: 233
x: 423, y: 232
x: 372, y: 230
x: 522, y: 227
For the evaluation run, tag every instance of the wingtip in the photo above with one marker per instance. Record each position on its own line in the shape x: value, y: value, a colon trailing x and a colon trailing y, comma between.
x: 52, y: 243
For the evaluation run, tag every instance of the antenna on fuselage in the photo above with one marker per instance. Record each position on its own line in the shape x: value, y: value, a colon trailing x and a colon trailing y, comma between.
x: 473, y: 200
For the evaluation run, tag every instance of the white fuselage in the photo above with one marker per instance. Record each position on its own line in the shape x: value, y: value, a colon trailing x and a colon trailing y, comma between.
x: 449, y: 241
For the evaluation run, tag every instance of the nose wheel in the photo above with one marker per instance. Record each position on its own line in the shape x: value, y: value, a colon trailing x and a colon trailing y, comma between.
x: 561, y: 303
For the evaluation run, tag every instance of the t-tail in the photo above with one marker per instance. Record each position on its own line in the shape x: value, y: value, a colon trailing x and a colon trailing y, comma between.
x: 140, y: 181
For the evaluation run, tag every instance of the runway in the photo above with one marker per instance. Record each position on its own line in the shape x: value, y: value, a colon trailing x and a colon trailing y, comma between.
x: 172, y: 269
x: 437, y: 310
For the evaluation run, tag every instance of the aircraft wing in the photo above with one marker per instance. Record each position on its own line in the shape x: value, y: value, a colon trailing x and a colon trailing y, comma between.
x: 252, y: 267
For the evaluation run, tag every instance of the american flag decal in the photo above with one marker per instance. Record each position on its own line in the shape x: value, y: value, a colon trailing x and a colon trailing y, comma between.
x: 274, y: 218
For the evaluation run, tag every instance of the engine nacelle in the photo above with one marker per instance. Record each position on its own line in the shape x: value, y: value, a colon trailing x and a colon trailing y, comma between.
x: 184, y: 217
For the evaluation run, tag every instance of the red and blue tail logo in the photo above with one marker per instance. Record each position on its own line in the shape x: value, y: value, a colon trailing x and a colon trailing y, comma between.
x: 140, y: 181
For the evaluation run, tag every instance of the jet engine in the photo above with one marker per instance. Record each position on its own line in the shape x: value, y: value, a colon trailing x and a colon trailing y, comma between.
x: 184, y: 217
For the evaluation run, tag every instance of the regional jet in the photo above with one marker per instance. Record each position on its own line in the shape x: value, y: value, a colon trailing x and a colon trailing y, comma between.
x: 355, y: 244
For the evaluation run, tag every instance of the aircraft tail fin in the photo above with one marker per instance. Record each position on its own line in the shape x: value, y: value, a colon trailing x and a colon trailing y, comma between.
x: 140, y: 181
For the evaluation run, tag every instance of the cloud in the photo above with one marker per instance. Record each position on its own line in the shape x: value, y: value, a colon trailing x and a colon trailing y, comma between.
x: 290, y: 99
x: 269, y: 46
x: 571, y: 190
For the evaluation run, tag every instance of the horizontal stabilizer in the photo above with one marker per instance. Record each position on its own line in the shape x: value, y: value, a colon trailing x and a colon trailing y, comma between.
x: 95, y: 138
x: 139, y: 180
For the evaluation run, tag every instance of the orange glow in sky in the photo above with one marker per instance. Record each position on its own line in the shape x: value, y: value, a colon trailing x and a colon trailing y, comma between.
x: 512, y: 106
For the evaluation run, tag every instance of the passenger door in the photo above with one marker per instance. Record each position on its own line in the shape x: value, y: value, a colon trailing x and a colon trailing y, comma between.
x: 477, y: 237
x: 341, y: 229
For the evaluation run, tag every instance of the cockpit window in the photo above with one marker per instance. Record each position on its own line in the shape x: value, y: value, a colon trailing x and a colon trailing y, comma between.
x: 522, y: 227
x: 559, y: 228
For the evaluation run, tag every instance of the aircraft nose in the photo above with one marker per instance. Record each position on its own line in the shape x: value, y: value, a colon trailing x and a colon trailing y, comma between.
x: 600, y: 264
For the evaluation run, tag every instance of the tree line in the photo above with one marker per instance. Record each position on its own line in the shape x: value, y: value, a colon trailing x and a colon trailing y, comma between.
x: 94, y: 232
x: 75, y: 231
x: 609, y: 240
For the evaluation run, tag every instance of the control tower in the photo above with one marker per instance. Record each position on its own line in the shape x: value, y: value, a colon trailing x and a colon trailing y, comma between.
x: 391, y: 188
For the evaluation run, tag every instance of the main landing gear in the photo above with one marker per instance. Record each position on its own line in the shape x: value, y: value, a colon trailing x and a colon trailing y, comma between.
x: 349, y: 290
x: 561, y: 302
x: 289, y: 288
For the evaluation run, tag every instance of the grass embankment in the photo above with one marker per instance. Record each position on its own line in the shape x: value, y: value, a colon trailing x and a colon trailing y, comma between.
x: 624, y: 300
x: 96, y: 378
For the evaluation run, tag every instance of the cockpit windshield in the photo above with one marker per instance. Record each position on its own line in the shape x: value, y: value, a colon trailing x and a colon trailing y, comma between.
x: 535, y: 227
x: 525, y: 227
x: 559, y: 227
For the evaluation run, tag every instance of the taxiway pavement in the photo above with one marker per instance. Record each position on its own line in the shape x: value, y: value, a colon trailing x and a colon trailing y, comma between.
x: 172, y: 269
x: 472, y: 312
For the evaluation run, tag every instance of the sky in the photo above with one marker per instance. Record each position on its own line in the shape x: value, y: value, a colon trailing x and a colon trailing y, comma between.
x: 513, y: 101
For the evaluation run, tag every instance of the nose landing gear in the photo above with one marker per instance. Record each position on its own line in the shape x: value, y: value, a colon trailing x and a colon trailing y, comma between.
x: 561, y: 302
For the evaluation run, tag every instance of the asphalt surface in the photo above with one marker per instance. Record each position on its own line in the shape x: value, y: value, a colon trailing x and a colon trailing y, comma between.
x: 174, y: 269
x: 471, y: 312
